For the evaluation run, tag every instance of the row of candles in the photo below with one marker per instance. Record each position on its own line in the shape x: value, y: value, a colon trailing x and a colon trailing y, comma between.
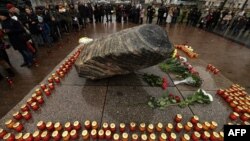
x: 37, y: 98
x: 188, y: 50
x: 212, y: 69
x: 70, y: 131
x: 239, y: 101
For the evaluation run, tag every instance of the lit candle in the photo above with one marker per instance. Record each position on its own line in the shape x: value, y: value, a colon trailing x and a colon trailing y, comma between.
x: 188, y: 126
x: 38, y: 91
x: 195, y: 136
x: 105, y: 126
x: 205, y: 136
x: 124, y: 136
x: 101, y: 134
x: 135, y: 137
x: 34, y: 106
x: 28, y: 137
x: 58, y: 126
x: 93, y: 134
x: 221, y: 136
x: 47, y: 92
x: 159, y: 127
x: 9, y: 137
x: 36, y: 136
x: 112, y: 127
x: 73, y: 134
x: 34, y: 96
x: 51, y: 86
x: 50, y: 80
x: 152, y: 137
x: 9, y: 123
x: 132, y: 126
x: 30, y: 101
x: 116, y: 137
x: 178, y: 127
x: 108, y: 134
x: 57, y: 80
x: 26, y: 115
x: 195, y: 119
x: 178, y: 118
x: 150, y: 128
x: 56, y: 136
x: 206, y: 125
x: 172, y: 137
x: 94, y: 125
x: 76, y: 125
x: 43, y: 86
x: 2, y: 133
x: 40, y: 100
x: 24, y: 108
x: 58, y: 71
x: 214, y: 136
x: 85, y: 135
x: 245, y: 117
x: 87, y: 124
x: 163, y: 137
x: 238, y: 109
x: 45, y: 136
x: 17, y: 115
x: 66, y: 136
x: 234, y: 116
x: 122, y: 127
x: 18, y: 126
x: 68, y: 126
x: 214, y: 125
x: 61, y: 74
x: 142, y: 127
x: 169, y: 127
x: 198, y: 127
x: 19, y: 137
x: 50, y: 126
x: 41, y: 125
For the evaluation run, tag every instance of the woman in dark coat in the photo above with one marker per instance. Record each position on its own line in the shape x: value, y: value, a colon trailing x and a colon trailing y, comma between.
x: 16, y: 34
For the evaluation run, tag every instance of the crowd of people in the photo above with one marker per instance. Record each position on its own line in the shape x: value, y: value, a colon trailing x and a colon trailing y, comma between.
x: 28, y: 29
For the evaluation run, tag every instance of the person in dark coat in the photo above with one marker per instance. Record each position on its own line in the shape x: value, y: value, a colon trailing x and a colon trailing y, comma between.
x: 15, y: 32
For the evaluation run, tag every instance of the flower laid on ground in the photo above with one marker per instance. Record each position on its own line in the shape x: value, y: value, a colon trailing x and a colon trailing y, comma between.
x: 154, y: 80
x: 168, y: 99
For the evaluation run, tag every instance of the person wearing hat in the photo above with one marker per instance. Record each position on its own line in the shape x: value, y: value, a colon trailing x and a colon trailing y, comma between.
x: 16, y: 32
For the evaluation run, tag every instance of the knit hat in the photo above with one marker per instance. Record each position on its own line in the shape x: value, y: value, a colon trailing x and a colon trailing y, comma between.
x: 9, y: 6
x: 4, y: 13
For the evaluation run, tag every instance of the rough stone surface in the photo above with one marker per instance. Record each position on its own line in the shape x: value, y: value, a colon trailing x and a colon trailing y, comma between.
x: 124, y: 52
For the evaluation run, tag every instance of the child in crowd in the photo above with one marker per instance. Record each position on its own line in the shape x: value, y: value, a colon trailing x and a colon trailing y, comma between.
x: 45, y: 30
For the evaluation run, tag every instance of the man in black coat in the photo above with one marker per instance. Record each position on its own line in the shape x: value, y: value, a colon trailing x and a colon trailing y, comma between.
x: 15, y: 32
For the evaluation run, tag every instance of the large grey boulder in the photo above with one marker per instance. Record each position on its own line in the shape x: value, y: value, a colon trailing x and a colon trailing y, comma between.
x: 124, y: 52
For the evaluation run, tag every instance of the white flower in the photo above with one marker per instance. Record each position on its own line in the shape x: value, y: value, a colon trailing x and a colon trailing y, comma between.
x: 183, y: 59
x: 207, y: 94
x: 85, y: 40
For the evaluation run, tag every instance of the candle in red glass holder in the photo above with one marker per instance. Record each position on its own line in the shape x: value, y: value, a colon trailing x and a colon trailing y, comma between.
x: 112, y: 127
x: 56, y: 136
x: 150, y: 128
x: 18, y: 126
x: 24, y: 108
x: 194, y: 119
x: 220, y: 92
x: 93, y: 134
x: 64, y: 70
x: 142, y: 127
x: 85, y: 135
x: 105, y: 126
x: 51, y: 86
x: 178, y: 118
x: 28, y: 137
x: 2, y: 133
x: 245, y: 117
x: 50, y: 80
x: 9, y: 123
x: 57, y: 80
x: 216, y: 71
x: 169, y: 127
x: 87, y: 124
x: 34, y: 106
x: 68, y: 126
x: 188, y: 127
x: 19, y: 137
x: 238, y: 109
x: 124, y: 136
x: 132, y: 126
x: 47, y: 92
x: 234, y: 116
x: 214, y: 125
x: 38, y: 91
x: 41, y: 125
x: 9, y: 137
x: 36, y: 136
x: 34, y: 96
x: 122, y: 127
x: 26, y: 115
x: 58, y: 126
x: 94, y: 125
x: 101, y: 134
x: 116, y: 137
x: 58, y: 71
x: 45, y: 136
x: 206, y: 126
x: 214, y: 136
x: 66, y: 136
x: 73, y: 134
x: 178, y: 127
x: 50, y: 126
x: 30, y: 101
x: 159, y: 127
x: 152, y: 137
x: 172, y: 137
x: 185, y: 137
x: 43, y: 86
x: 135, y: 137
x: 108, y: 134
x: 195, y: 136
x: 198, y: 127
x: 163, y: 137
x: 221, y: 136
x: 61, y: 74
x: 17, y: 115
x: 205, y: 136
x: 40, y: 100
x: 77, y: 125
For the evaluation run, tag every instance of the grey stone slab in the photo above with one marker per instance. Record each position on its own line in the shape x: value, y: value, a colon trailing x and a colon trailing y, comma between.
x: 136, y: 79
x: 217, y: 111
x: 128, y: 103
x: 69, y: 103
